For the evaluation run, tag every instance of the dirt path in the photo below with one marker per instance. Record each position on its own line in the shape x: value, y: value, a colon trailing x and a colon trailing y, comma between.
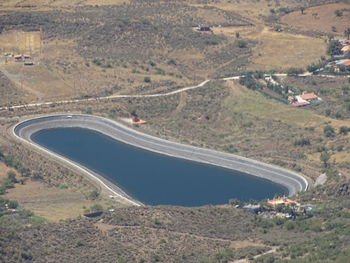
x: 102, y: 98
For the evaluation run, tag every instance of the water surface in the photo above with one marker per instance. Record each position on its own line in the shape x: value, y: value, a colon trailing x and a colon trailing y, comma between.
x: 154, y: 178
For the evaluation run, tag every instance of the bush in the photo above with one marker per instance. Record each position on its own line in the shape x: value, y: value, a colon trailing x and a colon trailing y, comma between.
x: 344, y: 130
x: 159, y: 71
x: 302, y: 142
x: 94, y: 194
x: 171, y: 61
x: 241, y: 43
x: 338, y: 13
x: 11, y: 175
x: 147, y: 79
x: 329, y: 131
x: 321, y: 148
x: 97, y: 62
x: 12, y: 204
x: 294, y: 71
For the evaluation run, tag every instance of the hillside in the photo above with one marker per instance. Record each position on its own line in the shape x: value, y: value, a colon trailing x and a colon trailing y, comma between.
x: 85, y: 51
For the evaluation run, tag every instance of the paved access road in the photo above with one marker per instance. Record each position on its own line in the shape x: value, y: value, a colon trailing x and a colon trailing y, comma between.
x: 23, y: 131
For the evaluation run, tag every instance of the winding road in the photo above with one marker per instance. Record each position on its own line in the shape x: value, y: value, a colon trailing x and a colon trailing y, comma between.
x: 103, y: 98
x: 292, y: 181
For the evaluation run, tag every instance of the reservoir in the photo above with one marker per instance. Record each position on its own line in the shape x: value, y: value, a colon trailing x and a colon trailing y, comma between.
x: 152, y: 178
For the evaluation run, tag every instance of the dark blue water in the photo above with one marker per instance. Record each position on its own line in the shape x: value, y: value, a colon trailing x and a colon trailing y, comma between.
x: 154, y: 178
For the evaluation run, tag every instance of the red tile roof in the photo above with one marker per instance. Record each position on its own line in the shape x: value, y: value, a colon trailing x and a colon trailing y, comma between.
x: 346, y: 48
x: 300, y: 104
x: 308, y: 96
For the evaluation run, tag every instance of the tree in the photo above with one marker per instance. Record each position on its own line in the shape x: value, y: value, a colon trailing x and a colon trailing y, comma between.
x: 324, y: 157
x: 334, y: 48
x: 302, y: 9
x: 347, y: 33
x: 338, y: 13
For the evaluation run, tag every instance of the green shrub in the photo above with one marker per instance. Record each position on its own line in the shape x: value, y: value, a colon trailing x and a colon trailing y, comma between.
x: 344, y: 130
x: 97, y: 62
x: 171, y: 61
x: 11, y: 175
x: 302, y: 142
x: 294, y: 71
x: 94, y: 194
x: 329, y: 131
x: 241, y: 43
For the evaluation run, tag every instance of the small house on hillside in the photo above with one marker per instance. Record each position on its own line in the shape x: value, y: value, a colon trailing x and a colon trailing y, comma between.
x: 22, y: 57
x: 304, y: 99
x: 310, y: 97
x: 203, y: 28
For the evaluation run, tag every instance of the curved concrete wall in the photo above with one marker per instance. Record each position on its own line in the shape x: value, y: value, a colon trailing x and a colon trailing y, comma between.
x: 23, y: 131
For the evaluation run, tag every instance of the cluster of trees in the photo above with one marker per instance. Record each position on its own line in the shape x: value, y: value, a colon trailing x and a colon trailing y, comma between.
x: 251, y: 80
x: 334, y: 48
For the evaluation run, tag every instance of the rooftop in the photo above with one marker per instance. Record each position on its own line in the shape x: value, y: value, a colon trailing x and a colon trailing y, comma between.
x: 308, y: 96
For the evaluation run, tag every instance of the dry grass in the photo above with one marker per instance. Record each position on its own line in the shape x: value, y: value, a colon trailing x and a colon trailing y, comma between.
x: 256, y: 104
x: 324, y: 20
x: 20, y: 42
x: 59, y: 73
x: 249, y: 7
x: 57, y: 3
x: 283, y: 50
x: 277, y: 50
x: 336, y: 157
x: 51, y: 203
x: 3, y: 170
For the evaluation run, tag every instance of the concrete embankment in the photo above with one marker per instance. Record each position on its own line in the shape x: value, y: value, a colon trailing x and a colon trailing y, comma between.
x: 23, y: 131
